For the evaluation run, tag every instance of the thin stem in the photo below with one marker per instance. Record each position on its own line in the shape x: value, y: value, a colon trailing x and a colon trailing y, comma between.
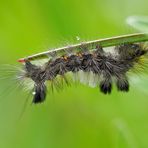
x: 107, y: 42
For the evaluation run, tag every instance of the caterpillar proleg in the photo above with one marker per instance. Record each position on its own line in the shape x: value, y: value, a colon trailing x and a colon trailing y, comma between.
x: 98, y: 63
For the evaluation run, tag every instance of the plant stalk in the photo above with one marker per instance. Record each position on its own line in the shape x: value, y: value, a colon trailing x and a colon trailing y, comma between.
x: 107, y: 42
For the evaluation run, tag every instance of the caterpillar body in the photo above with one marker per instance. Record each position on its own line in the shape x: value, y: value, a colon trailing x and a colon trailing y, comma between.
x: 102, y: 68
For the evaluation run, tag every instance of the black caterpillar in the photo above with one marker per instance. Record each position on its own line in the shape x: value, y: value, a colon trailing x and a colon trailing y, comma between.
x: 109, y: 67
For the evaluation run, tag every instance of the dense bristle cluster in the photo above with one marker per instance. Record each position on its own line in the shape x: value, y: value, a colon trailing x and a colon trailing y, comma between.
x: 108, y: 67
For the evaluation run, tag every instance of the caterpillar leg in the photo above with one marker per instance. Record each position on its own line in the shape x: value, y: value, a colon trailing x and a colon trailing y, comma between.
x: 40, y: 93
x: 106, y: 85
x: 122, y: 83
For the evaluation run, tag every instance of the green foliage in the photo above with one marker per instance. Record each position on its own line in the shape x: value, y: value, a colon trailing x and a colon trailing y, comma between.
x: 78, y: 116
x: 138, y: 22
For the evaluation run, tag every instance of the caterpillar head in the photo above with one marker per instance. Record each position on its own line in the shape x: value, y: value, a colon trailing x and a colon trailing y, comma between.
x: 130, y: 51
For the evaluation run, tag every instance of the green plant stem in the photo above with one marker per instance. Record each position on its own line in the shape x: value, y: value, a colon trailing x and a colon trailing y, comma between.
x: 107, y: 42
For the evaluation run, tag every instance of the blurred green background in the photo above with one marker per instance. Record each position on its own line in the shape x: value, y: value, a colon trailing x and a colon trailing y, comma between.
x: 78, y: 116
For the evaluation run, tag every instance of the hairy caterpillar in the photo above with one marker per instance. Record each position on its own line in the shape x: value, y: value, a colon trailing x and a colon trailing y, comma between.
x: 101, y: 68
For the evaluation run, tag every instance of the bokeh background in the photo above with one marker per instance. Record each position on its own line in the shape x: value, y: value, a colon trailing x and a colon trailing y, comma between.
x: 78, y: 116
